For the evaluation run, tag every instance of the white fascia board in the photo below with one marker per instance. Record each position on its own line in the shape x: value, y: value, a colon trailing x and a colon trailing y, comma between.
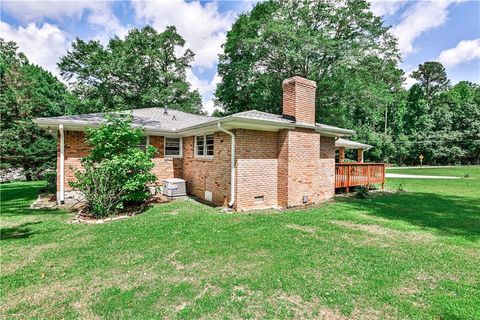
x: 334, y: 132
x: 76, y: 125
x: 232, y: 122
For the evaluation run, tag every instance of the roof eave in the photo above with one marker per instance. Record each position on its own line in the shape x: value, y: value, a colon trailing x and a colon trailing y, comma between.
x: 75, y: 125
x: 239, y: 121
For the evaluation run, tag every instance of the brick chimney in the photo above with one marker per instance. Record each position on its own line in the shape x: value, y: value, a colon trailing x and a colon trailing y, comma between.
x: 299, y: 99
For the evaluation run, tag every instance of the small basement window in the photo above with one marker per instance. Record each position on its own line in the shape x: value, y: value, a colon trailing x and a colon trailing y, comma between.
x: 204, y: 146
x: 173, y: 147
x: 259, y: 199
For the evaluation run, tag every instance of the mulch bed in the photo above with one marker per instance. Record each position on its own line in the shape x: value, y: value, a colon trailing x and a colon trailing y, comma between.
x: 83, y: 216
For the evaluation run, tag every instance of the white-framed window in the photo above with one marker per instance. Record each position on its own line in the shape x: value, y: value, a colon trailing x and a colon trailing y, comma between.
x: 204, y: 146
x: 172, y: 147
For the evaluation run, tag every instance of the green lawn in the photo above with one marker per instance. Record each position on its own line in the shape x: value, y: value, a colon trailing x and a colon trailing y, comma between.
x: 410, y: 255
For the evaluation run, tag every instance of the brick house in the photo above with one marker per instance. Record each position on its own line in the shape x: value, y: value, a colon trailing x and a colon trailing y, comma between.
x: 246, y: 160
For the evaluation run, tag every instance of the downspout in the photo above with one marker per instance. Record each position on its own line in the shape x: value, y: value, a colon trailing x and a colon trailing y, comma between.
x: 232, y: 165
x: 62, y: 164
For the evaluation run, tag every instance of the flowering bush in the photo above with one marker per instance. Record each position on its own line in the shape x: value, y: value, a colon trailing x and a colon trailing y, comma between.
x: 117, y: 171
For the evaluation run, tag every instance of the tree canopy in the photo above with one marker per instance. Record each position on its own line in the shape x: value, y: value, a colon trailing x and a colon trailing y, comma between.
x: 354, y: 60
x: 342, y: 46
x: 141, y: 71
x: 26, y: 92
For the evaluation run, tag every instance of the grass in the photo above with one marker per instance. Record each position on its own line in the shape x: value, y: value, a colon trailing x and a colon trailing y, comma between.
x: 409, y: 255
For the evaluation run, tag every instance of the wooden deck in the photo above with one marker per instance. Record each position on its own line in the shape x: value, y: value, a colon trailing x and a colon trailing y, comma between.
x: 359, y: 174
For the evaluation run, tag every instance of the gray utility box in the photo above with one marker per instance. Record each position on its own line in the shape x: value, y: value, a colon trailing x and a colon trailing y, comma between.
x: 174, y: 187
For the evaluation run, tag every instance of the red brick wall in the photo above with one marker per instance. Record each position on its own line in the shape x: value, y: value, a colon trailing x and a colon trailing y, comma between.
x: 327, y: 148
x: 302, y: 170
x: 280, y: 166
x: 299, y: 99
x: 75, y: 149
x: 165, y: 167
x: 204, y: 174
x: 256, y: 174
x: 327, y: 167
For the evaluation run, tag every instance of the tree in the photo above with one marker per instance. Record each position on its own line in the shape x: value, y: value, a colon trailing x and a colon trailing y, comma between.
x: 342, y: 46
x: 432, y: 78
x: 26, y: 92
x: 141, y: 71
x: 116, y: 171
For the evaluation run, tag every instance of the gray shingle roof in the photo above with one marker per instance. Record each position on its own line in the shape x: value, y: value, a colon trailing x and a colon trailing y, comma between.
x: 349, y: 144
x: 255, y: 114
x: 174, y: 120
x: 147, y: 117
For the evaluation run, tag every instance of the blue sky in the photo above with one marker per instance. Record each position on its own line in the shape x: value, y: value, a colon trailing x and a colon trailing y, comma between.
x: 442, y: 30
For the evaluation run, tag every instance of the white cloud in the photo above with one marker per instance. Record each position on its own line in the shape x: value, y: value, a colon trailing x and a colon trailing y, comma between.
x: 99, y: 14
x: 28, y: 11
x: 466, y: 50
x: 107, y: 23
x: 386, y: 7
x: 419, y: 18
x: 206, y: 89
x: 202, y: 26
x: 409, y: 81
x: 42, y: 45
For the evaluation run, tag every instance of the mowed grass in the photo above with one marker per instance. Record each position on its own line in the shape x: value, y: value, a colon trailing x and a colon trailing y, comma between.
x: 409, y: 255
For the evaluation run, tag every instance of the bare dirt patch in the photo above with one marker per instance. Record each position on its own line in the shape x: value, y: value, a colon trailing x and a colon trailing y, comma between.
x: 306, y: 229
x: 385, y: 232
x: 25, y: 256
x: 314, y: 309
x: 241, y: 293
x: 171, y: 258
x: 173, y: 212
x: 207, y: 290
x: 370, y: 228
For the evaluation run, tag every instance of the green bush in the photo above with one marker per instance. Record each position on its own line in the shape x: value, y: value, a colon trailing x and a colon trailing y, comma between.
x: 362, y: 192
x: 117, y: 171
x: 51, y: 177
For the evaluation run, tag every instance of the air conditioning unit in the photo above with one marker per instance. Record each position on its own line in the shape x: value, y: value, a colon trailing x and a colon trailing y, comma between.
x: 174, y: 187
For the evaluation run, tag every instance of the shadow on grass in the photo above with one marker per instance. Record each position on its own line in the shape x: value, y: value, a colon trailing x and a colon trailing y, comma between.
x: 449, y: 215
x: 16, y: 191
x: 17, y: 232
x: 16, y: 199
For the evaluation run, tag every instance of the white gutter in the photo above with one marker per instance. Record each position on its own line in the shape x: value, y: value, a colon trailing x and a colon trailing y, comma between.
x: 62, y: 164
x: 232, y: 165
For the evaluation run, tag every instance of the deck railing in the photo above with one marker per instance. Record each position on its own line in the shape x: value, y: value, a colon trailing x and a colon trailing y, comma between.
x: 351, y: 174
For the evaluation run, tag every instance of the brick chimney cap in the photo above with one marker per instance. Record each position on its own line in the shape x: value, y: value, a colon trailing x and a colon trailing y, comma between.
x: 299, y: 80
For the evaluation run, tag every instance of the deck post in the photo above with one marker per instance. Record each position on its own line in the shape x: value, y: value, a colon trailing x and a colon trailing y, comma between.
x: 341, y: 154
x: 368, y: 176
x: 383, y: 175
x: 360, y: 155
x: 348, y: 179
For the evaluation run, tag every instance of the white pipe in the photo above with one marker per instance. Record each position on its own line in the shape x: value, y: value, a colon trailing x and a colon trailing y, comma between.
x: 232, y: 165
x: 62, y: 164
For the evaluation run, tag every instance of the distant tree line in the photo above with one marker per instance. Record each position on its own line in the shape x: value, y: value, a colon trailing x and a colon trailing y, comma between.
x: 342, y: 46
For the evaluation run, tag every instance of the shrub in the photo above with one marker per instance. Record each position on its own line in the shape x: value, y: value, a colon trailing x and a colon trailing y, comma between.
x: 51, y: 177
x: 117, y: 171
x: 400, y: 187
x: 362, y: 192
